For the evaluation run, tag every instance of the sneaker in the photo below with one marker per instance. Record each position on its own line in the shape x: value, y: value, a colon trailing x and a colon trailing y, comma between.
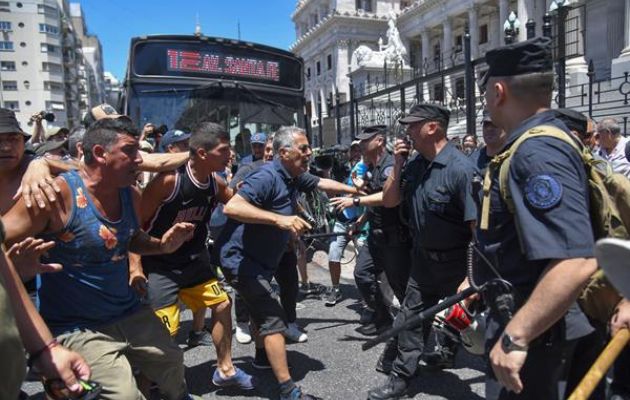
x: 240, y: 379
x: 260, y: 360
x: 294, y: 334
x: 306, y: 289
x: 202, y: 338
x: 395, y: 388
x: 243, y: 336
x: 298, y: 394
x: 333, y: 297
x: 439, y: 359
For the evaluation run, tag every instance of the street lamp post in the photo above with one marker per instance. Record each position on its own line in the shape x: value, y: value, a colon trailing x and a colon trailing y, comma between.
x: 562, y: 7
x: 511, y: 28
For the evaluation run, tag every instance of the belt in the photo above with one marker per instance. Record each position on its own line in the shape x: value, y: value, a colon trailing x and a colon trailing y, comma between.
x: 444, y: 255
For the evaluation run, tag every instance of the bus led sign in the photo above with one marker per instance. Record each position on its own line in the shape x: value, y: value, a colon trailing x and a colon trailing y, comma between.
x: 209, y: 63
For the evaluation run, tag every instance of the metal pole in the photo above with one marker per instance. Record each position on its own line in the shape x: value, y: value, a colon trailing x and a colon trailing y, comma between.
x: 591, y: 79
x: 352, y: 132
x: 531, y: 29
x: 320, y: 135
x: 562, y: 38
x: 338, y: 116
x: 441, y: 61
x: 470, y: 86
x: 403, y: 106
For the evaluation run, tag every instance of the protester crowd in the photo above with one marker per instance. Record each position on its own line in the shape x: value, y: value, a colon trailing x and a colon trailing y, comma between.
x: 108, y: 230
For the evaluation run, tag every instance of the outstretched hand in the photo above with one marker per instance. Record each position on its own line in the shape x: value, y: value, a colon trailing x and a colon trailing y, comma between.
x: 176, y: 236
x: 38, y: 185
x: 25, y: 257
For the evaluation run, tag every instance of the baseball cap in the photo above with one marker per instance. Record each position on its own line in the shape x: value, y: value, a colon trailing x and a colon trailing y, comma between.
x: 370, y: 131
x: 54, y: 131
x: 426, y: 112
x: 10, y: 124
x: 260, y: 138
x: 49, y: 146
x: 173, y: 136
x: 105, y: 110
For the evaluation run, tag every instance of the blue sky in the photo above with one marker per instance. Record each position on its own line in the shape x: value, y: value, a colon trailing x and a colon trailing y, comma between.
x: 117, y: 21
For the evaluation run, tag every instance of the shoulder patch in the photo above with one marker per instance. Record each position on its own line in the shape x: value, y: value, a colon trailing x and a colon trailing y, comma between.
x: 543, y: 191
x: 387, y: 171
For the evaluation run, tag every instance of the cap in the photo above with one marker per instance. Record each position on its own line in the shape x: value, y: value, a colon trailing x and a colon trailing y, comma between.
x: 173, y: 136
x: 105, y: 110
x: 10, y: 124
x: 355, y: 143
x: 259, y: 137
x: 370, y: 131
x: 49, y: 146
x: 422, y: 112
x: 54, y: 131
x: 574, y: 120
x: 146, y: 146
x: 520, y: 58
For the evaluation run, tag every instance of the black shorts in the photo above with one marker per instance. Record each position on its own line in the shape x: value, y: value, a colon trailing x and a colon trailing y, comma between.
x: 263, y: 304
x: 166, y: 280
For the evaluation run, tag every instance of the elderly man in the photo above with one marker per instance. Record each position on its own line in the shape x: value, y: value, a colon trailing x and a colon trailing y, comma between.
x: 262, y: 219
x: 612, y: 146
x: 89, y: 305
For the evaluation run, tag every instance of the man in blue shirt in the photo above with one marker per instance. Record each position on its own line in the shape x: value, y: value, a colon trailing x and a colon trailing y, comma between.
x: 258, y: 149
x: 545, y: 245
x: 262, y: 219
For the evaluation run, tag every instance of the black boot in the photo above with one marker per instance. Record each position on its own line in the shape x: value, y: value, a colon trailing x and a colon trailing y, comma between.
x: 394, y: 388
x: 439, y: 359
x: 386, y: 360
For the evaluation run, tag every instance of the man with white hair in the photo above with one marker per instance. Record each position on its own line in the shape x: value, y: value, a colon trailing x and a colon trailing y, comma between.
x: 612, y: 146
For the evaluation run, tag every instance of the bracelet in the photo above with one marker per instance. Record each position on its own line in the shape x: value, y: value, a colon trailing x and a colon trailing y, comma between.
x: 33, y: 357
x: 356, y: 201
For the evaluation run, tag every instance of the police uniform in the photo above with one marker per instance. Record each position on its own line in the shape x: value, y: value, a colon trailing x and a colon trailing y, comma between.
x: 551, y: 221
x: 388, y: 244
x: 439, y: 199
x: 187, y: 274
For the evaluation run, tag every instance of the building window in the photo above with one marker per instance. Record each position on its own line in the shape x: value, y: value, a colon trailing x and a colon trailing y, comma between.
x: 9, y: 85
x: 319, y: 68
x: 4, y: 6
x: 483, y: 34
x: 365, y: 5
x: 329, y: 61
x: 50, y: 85
x: 51, y: 67
x: 46, y: 9
x: 7, y: 66
x: 308, y: 73
x: 5, y: 26
x: 460, y: 88
x: 12, y: 105
x: 438, y: 93
x: 6, y: 46
x: 28, y: 102
x: 50, y: 29
x: 437, y: 52
x: 55, y: 106
x: 48, y: 48
x: 459, y: 43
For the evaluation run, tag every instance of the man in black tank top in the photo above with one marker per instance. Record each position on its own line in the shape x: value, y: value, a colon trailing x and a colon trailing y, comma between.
x: 190, y: 194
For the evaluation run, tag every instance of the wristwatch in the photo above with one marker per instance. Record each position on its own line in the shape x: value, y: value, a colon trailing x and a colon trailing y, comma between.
x: 356, y: 201
x: 507, y: 344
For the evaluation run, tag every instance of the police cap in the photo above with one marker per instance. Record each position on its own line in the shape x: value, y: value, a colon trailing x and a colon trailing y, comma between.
x: 370, y: 131
x: 426, y: 112
x: 520, y: 58
x: 574, y: 120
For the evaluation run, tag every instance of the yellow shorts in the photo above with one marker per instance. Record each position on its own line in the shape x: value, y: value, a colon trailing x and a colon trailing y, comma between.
x: 206, y: 294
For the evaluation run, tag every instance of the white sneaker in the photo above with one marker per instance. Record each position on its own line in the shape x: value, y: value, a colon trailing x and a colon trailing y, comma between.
x: 243, y: 336
x: 294, y: 334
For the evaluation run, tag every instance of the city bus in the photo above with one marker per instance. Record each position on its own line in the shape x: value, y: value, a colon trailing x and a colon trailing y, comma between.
x: 179, y: 80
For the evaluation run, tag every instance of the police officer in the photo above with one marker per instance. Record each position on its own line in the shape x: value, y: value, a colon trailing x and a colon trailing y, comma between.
x: 545, y: 246
x: 387, y: 247
x: 494, y: 139
x: 437, y: 190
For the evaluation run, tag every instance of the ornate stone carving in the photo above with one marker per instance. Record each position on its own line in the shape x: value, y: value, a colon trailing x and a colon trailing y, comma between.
x: 393, y: 52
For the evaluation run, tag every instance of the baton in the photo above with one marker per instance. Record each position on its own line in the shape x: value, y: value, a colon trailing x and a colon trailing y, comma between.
x: 331, y: 234
x: 601, y: 365
x: 418, y: 318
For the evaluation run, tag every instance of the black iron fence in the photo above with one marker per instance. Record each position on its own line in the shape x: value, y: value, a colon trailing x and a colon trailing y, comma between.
x: 450, y: 81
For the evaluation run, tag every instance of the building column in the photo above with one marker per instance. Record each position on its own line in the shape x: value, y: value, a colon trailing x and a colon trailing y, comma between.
x: 447, y: 50
x: 342, y: 81
x: 503, y: 14
x: 524, y: 9
x: 473, y: 28
x: 621, y: 64
x: 495, y: 30
x: 426, y: 47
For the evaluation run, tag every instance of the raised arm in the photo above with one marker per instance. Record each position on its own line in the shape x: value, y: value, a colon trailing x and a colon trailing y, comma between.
x: 332, y: 186
x: 162, y: 162
x: 238, y: 208
x: 391, y: 190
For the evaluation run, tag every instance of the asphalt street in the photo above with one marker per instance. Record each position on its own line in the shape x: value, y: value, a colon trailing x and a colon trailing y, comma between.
x: 331, y: 364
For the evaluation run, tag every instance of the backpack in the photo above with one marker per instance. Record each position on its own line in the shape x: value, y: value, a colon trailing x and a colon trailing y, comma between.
x: 609, y: 195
